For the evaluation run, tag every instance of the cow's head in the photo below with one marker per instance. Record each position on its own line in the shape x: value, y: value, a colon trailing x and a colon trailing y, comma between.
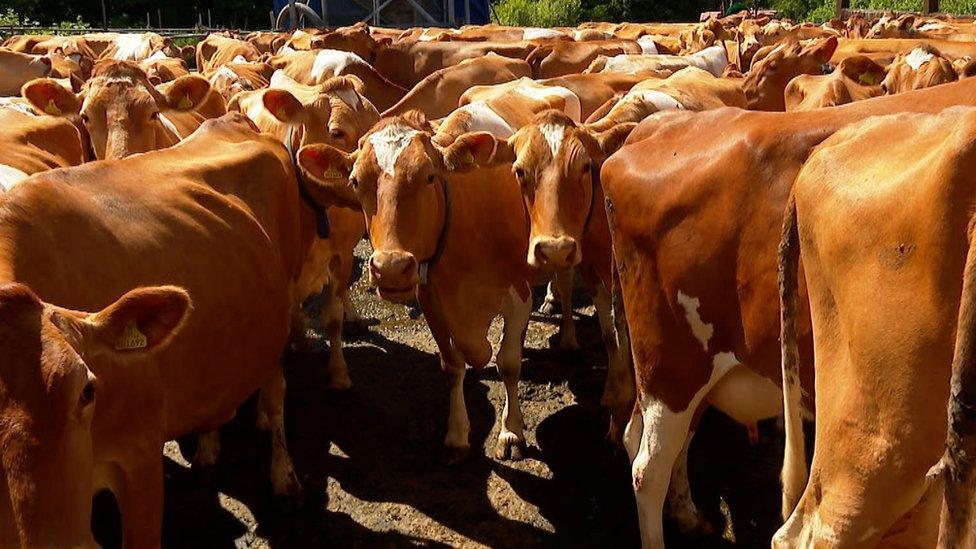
x: 892, y: 26
x: 922, y: 67
x: 398, y: 176
x: 769, y: 76
x: 557, y: 165
x: 856, y: 77
x: 51, y: 362
x: 335, y: 112
x: 122, y: 112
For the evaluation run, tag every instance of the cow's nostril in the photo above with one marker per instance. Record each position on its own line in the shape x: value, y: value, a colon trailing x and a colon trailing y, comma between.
x: 540, y: 255
x: 407, y: 267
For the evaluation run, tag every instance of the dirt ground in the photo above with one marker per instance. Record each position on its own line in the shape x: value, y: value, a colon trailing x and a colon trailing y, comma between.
x: 371, y: 466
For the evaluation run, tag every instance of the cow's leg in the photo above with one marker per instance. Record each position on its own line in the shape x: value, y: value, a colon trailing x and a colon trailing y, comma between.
x: 681, y: 507
x: 284, y: 481
x: 552, y: 297
x: 458, y: 426
x: 208, y: 450
x: 338, y: 371
x: 567, y: 327
x: 511, y: 439
x: 138, y: 489
x: 350, y: 313
x: 618, y: 393
x: 663, y: 435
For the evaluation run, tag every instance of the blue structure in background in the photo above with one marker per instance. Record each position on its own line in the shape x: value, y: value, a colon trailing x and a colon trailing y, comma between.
x: 347, y: 12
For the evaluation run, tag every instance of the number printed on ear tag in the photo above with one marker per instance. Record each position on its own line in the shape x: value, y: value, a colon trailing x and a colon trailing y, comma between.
x: 332, y: 172
x: 131, y: 338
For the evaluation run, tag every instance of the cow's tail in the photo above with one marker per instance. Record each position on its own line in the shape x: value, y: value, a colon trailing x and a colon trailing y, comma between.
x: 794, y: 475
x: 959, y: 462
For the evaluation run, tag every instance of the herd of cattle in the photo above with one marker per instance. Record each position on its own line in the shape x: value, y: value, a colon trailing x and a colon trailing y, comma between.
x: 160, y: 227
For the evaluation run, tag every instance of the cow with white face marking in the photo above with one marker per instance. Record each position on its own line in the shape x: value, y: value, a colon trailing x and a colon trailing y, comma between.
x: 317, y: 66
x: 439, y: 220
x: 123, y: 113
x: 334, y: 113
x: 922, y: 67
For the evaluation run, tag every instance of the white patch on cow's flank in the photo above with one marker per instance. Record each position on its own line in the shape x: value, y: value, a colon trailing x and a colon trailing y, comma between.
x: 281, y: 80
x: 287, y: 50
x: 713, y: 59
x: 648, y: 47
x: 156, y: 56
x: 16, y: 104
x: 703, y: 332
x: 131, y: 47
x: 389, y: 143
x: 483, y: 119
x: 223, y: 72
x: 239, y: 59
x: 535, y: 33
x: 533, y: 90
x: 554, y: 134
x: 10, y: 176
x: 917, y: 58
x: 333, y: 62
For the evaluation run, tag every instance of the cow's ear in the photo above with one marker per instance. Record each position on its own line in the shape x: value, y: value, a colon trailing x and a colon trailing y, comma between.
x: 824, y: 49
x: 504, y: 152
x: 325, y: 171
x: 469, y: 151
x: 187, y: 92
x: 47, y: 95
x: 906, y: 22
x: 282, y: 104
x: 612, y: 139
x: 141, y: 321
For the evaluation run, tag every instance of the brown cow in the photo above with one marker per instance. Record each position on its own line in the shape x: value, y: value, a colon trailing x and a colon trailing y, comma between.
x: 207, y: 218
x: 334, y: 113
x: 696, y: 256
x: 315, y: 67
x: 854, y: 79
x: 766, y: 82
x: 124, y: 114
x: 886, y: 247
x: 16, y: 69
x: 560, y: 57
x: 216, y: 50
x: 922, y: 67
x: 30, y: 144
x: 231, y: 78
x: 427, y: 208
x: 438, y: 93
x: 407, y: 63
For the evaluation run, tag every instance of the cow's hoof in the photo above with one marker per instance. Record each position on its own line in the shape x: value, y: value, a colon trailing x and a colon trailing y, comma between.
x: 509, y: 447
x: 291, y: 500
x: 455, y: 455
x: 548, y: 308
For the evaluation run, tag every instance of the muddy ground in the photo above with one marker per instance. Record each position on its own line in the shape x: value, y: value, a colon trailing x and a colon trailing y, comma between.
x: 371, y: 465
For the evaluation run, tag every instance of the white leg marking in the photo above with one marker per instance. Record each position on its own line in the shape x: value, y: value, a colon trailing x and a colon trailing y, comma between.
x: 681, y: 507
x: 516, y: 314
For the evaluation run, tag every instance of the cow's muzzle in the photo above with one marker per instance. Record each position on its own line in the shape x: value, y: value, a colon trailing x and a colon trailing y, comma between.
x: 394, y: 274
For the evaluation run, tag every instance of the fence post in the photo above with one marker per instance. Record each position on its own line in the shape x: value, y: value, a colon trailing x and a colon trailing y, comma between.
x: 842, y: 5
x: 930, y: 6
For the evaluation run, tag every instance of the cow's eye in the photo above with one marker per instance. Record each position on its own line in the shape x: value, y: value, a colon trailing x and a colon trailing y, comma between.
x: 154, y: 115
x: 87, y: 394
x: 586, y: 168
x: 337, y: 134
x: 520, y: 174
x: 85, y: 119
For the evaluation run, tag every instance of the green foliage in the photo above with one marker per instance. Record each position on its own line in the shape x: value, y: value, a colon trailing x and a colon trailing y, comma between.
x: 538, y: 13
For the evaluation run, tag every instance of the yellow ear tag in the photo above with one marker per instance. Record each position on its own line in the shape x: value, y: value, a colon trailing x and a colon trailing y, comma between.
x: 866, y: 78
x: 131, y: 338
x: 467, y: 159
x: 332, y: 173
x: 281, y: 114
x: 52, y: 109
x: 185, y: 103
